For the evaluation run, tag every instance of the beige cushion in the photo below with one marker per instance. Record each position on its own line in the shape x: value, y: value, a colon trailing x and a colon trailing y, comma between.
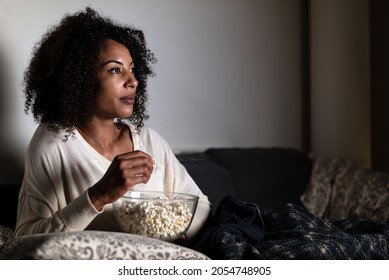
x: 342, y: 189
x: 94, y: 245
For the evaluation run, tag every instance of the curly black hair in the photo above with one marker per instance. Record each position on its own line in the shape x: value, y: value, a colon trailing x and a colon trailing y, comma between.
x: 60, y: 81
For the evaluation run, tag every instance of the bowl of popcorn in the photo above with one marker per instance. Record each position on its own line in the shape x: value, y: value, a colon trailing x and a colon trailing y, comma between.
x: 163, y: 215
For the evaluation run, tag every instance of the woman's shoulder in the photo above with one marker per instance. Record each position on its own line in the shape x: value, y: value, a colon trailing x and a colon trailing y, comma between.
x: 45, y: 140
x: 44, y: 133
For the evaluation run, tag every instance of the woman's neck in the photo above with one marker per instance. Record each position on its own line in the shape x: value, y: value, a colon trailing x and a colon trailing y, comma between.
x: 108, y: 138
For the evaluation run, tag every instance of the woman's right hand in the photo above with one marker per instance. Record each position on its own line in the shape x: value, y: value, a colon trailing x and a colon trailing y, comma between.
x: 125, y: 171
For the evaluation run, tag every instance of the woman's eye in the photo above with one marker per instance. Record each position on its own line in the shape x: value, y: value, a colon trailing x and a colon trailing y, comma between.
x: 115, y: 70
x: 132, y: 70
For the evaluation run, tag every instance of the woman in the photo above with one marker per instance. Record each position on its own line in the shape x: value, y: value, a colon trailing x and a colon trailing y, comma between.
x: 86, y: 87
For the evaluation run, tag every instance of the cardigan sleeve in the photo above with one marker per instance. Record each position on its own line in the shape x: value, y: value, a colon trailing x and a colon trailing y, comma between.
x: 47, y: 200
x: 35, y: 216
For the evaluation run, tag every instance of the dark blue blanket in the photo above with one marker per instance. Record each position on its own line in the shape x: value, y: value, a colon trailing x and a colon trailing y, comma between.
x: 235, y: 219
x: 239, y: 232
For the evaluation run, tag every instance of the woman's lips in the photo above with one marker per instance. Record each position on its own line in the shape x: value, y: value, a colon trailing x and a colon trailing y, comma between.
x: 128, y: 100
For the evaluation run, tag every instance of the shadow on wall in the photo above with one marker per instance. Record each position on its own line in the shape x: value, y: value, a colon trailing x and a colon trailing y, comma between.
x: 11, y: 165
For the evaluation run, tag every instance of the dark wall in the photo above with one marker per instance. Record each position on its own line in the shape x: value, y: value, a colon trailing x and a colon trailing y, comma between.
x: 379, y: 47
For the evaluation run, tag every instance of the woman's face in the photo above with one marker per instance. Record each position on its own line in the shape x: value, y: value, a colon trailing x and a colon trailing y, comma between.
x: 116, y: 83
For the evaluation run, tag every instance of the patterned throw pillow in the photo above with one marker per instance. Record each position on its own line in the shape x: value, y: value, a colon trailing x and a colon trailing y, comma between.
x: 344, y: 189
x: 94, y: 245
x: 5, y: 235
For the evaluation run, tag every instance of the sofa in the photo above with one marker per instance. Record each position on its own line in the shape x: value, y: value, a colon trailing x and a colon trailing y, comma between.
x: 268, y: 203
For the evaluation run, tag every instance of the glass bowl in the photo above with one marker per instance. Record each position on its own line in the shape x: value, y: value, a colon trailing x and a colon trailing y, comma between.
x: 163, y: 215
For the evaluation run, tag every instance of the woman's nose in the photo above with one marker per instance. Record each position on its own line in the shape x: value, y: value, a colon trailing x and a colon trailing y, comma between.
x: 131, y: 81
